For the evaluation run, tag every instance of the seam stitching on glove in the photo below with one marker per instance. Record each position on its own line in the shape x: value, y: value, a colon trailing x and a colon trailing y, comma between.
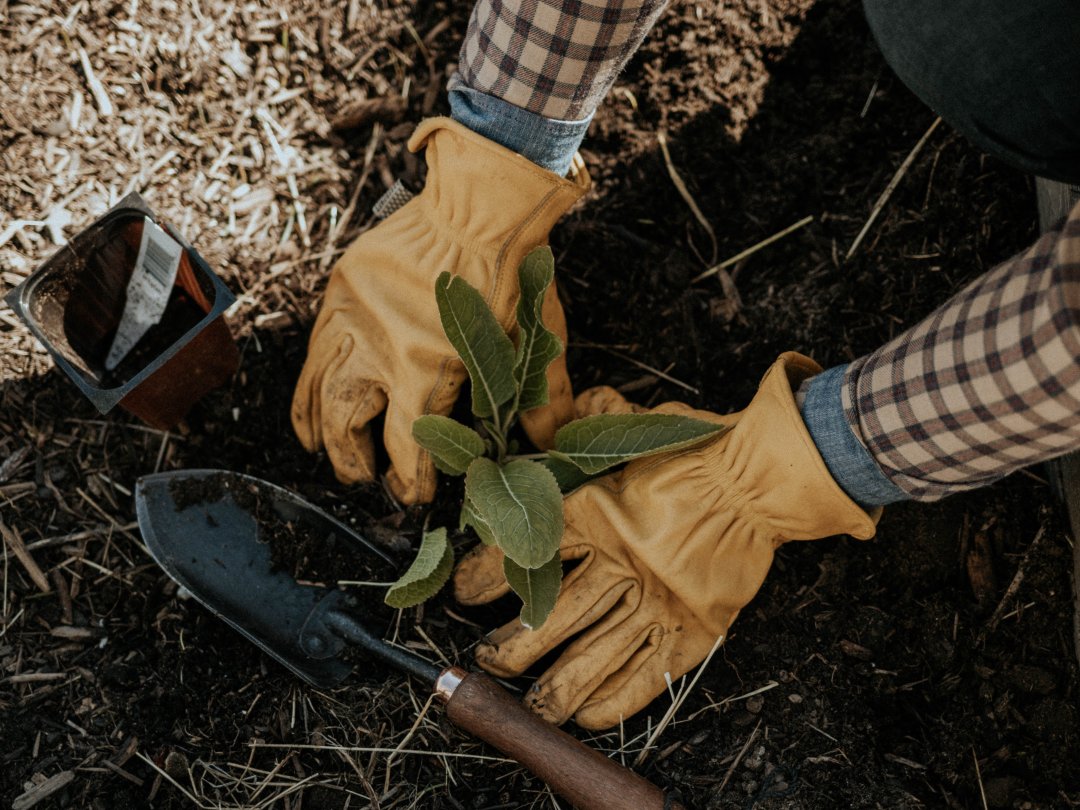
x: 511, y: 241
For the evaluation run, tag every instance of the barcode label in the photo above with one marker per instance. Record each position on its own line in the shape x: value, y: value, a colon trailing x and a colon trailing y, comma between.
x: 147, y: 291
x: 159, y: 263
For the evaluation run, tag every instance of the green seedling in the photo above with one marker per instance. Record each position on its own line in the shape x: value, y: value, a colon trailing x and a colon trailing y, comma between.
x: 515, y: 501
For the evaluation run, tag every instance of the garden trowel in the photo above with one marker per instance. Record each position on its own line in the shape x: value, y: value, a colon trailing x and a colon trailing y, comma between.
x: 212, y: 531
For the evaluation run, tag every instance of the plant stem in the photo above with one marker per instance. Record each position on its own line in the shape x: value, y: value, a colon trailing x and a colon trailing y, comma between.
x: 497, y: 436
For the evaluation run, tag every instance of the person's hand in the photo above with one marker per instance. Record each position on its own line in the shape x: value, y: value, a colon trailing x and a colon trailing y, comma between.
x: 378, y: 342
x: 669, y: 550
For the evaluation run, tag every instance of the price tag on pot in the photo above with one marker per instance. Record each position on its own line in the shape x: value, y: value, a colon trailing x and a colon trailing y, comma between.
x: 147, y: 291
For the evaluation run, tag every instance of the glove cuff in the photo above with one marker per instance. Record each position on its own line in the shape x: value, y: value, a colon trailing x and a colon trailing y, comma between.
x: 486, y: 194
x: 774, y: 460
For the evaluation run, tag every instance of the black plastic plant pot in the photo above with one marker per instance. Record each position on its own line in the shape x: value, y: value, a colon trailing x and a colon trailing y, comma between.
x: 75, y: 302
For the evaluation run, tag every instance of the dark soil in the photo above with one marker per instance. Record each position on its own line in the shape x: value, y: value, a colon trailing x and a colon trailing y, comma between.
x: 877, y: 677
x: 180, y: 315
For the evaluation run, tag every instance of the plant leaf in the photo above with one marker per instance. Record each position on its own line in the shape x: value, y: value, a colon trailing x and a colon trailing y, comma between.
x: 537, y: 345
x: 481, y: 343
x: 451, y: 444
x: 568, y: 475
x: 520, y: 502
x: 470, y: 517
x: 603, y: 440
x: 428, y: 572
x: 537, y: 587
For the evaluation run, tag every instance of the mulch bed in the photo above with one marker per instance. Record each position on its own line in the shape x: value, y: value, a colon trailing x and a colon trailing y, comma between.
x: 903, y: 672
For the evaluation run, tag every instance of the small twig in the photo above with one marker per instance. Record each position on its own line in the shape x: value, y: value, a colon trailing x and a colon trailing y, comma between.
x: 684, y: 192
x: 676, y: 704
x: 63, y: 593
x: 15, y: 618
x: 639, y: 364
x: 112, y: 766
x: 978, y: 776
x: 1010, y: 592
x: 43, y: 791
x: 392, y: 759
x: 18, y: 548
x: 17, y: 488
x: 101, y: 95
x: 346, y: 217
x: 750, y: 251
x: 889, y: 189
x: 369, y: 750
x: 60, y: 540
x: 433, y: 646
x: 738, y: 758
x: 161, y: 451
x: 35, y: 677
x: 171, y: 781
x: 869, y: 99
x: 721, y: 703
x: 384, y: 110
x: 344, y: 583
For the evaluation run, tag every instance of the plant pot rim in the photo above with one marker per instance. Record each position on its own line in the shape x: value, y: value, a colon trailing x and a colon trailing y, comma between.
x: 107, y: 397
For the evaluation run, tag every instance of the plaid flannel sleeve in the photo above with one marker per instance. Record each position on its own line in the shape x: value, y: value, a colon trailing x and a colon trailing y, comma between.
x: 987, y: 384
x: 555, y: 59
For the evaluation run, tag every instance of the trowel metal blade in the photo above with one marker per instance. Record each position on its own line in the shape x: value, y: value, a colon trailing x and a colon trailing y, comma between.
x: 211, y: 545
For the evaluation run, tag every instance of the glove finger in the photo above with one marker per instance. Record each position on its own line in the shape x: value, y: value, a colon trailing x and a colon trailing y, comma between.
x: 642, y: 678
x: 541, y: 423
x: 479, y: 577
x: 682, y: 409
x: 306, y: 411
x: 411, y: 476
x: 604, y: 399
x: 587, y: 595
x: 412, y: 472
x: 348, y: 401
x: 588, y: 663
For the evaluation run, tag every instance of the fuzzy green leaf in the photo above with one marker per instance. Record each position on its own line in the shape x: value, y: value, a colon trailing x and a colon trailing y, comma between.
x: 428, y: 572
x: 481, y: 343
x: 470, y: 517
x: 537, y: 587
x: 520, y: 502
x: 568, y: 475
x: 451, y: 444
x: 537, y: 346
x: 598, y: 442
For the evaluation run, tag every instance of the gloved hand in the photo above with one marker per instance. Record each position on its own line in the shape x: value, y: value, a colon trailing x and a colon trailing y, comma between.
x: 670, y: 549
x: 378, y: 341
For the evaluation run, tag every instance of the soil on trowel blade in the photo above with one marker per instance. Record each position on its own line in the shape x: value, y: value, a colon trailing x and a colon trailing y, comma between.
x: 305, y: 551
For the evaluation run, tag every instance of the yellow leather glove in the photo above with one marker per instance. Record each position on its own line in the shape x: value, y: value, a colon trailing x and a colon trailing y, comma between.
x: 378, y: 341
x: 670, y: 549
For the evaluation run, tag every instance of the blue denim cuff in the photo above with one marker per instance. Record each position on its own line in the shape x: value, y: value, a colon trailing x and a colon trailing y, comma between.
x: 545, y: 141
x: 851, y: 464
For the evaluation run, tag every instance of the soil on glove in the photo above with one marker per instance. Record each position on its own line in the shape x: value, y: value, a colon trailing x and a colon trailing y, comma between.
x: 901, y: 672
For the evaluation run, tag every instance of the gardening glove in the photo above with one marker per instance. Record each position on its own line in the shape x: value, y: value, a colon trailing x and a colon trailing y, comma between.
x: 669, y: 550
x: 378, y: 342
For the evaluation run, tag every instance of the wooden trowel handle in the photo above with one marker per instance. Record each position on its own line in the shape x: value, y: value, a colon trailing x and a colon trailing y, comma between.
x: 586, y: 777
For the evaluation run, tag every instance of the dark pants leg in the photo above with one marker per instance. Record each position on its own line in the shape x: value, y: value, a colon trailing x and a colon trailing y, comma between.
x: 1005, y: 73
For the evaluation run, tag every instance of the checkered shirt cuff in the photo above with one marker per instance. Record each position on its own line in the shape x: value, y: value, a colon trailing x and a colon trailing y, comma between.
x: 555, y: 59
x: 987, y: 384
